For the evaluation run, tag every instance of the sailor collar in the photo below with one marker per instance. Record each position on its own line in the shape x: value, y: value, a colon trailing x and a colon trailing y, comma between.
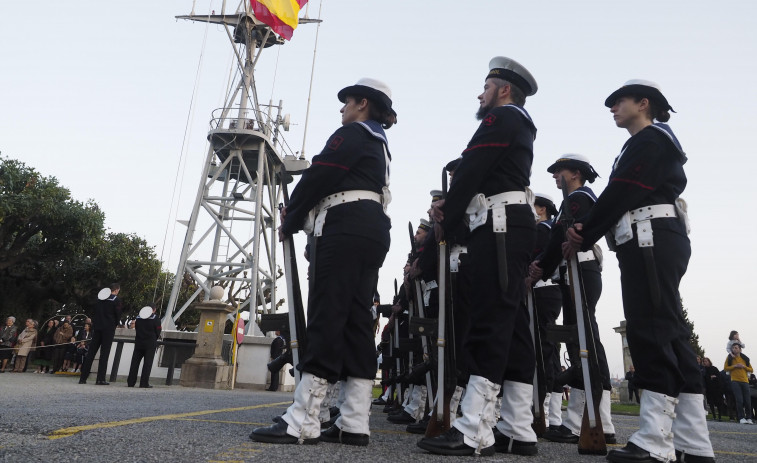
x: 375, y: 129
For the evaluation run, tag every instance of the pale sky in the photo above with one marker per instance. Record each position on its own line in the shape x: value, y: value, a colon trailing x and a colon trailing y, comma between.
x: 98, y: 94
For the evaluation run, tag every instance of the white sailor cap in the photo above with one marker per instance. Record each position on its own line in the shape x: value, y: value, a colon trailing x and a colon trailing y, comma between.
x: 425, y: 225
x: 575, y: 161
x: 373, y: 89
x: 513, y: 72
x: 642, y: 88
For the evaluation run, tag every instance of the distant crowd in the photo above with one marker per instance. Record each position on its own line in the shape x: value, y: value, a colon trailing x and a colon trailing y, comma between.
x: 728, y: 390
x: 58, y: 346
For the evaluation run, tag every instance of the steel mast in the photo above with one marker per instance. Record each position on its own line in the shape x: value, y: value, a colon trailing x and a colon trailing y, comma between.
x: 231, y: 234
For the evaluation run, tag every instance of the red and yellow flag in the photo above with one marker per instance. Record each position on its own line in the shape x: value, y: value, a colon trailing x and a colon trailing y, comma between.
x: 281, y: 15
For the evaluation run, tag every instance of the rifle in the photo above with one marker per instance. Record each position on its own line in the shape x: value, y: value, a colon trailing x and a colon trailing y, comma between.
x: 298, y: 340
x: 592, y: 438
x: 395, y: 347
x: 421, y: 316
x: 539, y: 424
x: 447, y: 367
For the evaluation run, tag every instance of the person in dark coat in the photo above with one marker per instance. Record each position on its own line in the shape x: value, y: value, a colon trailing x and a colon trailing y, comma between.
x: 277, y: 348
x: 714, y: 389
x: 642, y: 209
x: 346, y: 192
x: 489, y: 192
x: 147, y: 331
x: 633, y: 391
x: 104, y: 322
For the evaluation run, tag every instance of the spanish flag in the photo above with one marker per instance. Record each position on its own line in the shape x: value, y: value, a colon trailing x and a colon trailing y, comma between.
x: 281, y: 15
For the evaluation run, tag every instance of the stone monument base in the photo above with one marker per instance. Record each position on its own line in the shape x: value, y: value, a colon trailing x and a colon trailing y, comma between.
x: 206, y: 373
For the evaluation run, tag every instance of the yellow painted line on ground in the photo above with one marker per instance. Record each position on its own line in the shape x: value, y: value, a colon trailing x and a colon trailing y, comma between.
x: 745, y: 454
x: 65, y: 432
x: 224, y: 421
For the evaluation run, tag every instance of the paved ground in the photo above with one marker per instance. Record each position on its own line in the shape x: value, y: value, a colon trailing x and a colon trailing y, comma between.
x: 51, y: 418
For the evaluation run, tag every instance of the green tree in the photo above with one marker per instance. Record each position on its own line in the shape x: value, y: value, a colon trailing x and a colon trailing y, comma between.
x: 55, y: 255
x: 694, y: 337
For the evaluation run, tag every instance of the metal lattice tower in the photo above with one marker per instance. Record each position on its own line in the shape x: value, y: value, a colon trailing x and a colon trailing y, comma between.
x: 231, y: 236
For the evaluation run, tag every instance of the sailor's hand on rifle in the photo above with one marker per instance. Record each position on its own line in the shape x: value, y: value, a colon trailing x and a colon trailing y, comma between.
x: 534, y: 271
x: 437, y: 215
x: 573, y: 241
x: 414, y: 271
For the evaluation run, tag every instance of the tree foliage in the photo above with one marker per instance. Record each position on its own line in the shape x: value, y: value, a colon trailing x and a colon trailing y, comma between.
x: 55, y: 254
x: 693, y: 337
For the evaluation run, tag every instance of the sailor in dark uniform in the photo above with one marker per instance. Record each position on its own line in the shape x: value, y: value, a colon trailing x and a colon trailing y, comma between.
x: 548, y: 303
x: 571, y: 172
x: 646, y: 219
x: 489, y: 190
x: 346, y: 188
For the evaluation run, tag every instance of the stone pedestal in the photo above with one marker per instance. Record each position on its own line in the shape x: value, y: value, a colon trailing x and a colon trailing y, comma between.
x: 206, y: 368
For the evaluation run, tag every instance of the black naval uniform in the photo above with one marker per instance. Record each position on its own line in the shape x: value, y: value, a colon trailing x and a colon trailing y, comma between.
x: 147, y: 332
x: 104, y: 323
x: 649, y: 171
x: 498, y: 159
x: 548, y: 303
x: 349, y: 253
x: 580, y: 203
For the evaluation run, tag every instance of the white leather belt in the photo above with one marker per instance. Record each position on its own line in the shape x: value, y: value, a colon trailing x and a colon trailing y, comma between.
x: 454, y: 257
x: 480, y: 204
x: 622, y: 231
x: 657, y: 211
x: 319, y: 211
x: 585, y: 256
x: 542, y: 283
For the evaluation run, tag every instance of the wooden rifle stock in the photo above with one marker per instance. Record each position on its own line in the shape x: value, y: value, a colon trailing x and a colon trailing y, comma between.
x: 592, y: 439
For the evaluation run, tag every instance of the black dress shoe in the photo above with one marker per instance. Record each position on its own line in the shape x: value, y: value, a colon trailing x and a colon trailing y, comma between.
x: 504, y: 444
x: 336, y: 435
x: 129, y: 385
x: 561, y: 434
x: 327, y: 424
x: 82, y: 381
x: 451, y: 443
x: 277, y: 434
x: 278, y: 419
x: 333, y: 411
x: 610, y: 439
x: 683, y: 457
x: 419, y: 427
x: 401, y: 418
x: 379, y: 401
x: 146, y: 386
x: 631, y: 453
x: 102, y: 383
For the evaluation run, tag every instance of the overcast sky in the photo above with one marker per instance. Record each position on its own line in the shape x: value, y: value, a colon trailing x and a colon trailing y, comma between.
x: 102, y: 96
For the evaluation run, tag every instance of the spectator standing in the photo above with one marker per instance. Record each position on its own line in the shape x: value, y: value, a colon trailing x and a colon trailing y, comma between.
x: 24, y: 345
x: 62, y: 336
x: 106, y: 319
x: 632, y: 390
x: 148, y: 329
x: 737, y: 364
x: 714, y: 389
x: 8, y: 335
x: 82, y: 345
x: 44, y: 359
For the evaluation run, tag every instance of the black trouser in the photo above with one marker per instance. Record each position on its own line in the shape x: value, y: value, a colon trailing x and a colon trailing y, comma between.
x: 146, y: 352
x: 101, y: 340
x: 461, y: 294
x: 633, y: 392
x: 658, y: 338
x: 592, y: 280
x: 340, y: 326
x: 499, y: 343
x: 548, y: 303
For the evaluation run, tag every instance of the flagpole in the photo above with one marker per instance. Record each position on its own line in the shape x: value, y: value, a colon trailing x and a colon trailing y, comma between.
x: 310, y: 90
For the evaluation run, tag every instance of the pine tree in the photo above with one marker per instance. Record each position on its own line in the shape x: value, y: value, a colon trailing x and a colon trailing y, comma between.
x: 693, y: 337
